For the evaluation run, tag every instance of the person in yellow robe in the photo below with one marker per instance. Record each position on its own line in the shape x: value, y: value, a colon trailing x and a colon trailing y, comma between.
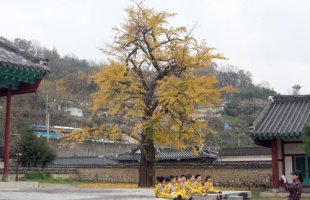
x: 209, y: 185
x: 160, y: 190
x: 173, y: 188
x: 198, y: 184
x: 190, y: 187
x: 180, y: 186
x: 184, y: 180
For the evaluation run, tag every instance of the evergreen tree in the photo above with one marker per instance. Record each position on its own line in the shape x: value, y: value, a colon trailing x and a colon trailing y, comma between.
x: 35, y: 151
x: 306, y: 139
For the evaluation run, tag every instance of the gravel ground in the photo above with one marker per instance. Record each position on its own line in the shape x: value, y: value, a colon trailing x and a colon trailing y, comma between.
x: 77, y: 194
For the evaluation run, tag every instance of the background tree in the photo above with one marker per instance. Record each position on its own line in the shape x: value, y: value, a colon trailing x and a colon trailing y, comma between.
x: 296, y: 89
x: 306, y: 139
x: 150, y: 86
x: 248, y: 101
x: 35, y: 151
x: 231, y: 75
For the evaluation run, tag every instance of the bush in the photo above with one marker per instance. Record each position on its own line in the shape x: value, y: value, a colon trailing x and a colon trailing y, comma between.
x: 35, y: 151
x: 46, y: 178
x: 37, y: 176
x: 306, y: 139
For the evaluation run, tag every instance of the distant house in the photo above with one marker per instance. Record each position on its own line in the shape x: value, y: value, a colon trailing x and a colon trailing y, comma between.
x: 280, y: 127
x: 55, y: 106
x: 203, y: 112
x: 54, y: 131
x: 227, y: 127
x: 129, y: 140
x: 245, y: 155
x: 77, y: 112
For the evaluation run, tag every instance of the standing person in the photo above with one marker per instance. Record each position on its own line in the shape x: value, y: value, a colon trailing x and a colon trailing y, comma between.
x: 294, y: 188
x: 209, y: 185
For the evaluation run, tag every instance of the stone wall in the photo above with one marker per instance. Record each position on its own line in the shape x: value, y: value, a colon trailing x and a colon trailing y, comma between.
x: 223, y: 176
x: 90, y: 148
x: 113, y: 174
x: 73, y: 176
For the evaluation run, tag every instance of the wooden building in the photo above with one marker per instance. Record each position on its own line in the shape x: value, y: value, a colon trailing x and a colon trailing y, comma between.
x: 280, y: 127
x: 245, y: 155
x: 20, y: 73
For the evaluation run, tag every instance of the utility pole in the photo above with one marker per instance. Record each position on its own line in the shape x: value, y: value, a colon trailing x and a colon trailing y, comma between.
x: 47, y: 119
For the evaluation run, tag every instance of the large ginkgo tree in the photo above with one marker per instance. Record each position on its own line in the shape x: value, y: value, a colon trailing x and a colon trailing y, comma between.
x: 150, y: 86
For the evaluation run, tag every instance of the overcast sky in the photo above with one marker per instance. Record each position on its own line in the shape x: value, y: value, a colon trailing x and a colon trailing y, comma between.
x: 271, y: 39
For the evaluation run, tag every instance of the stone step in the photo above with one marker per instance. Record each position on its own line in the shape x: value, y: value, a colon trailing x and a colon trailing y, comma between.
x: 270, y: 194
x: 19, y: 185
x: 235, y: 198
x: 226, y: 195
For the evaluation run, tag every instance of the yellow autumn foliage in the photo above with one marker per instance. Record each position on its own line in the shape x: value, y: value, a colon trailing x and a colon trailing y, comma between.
x: 149, y: 83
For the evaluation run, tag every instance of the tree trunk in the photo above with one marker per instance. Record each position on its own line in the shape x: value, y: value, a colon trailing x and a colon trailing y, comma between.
x: 146, y: 168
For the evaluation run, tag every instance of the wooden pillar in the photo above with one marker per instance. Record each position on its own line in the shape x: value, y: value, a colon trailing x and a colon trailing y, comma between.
x: 275, y: 165
x: 283, y: 158
x: 7, y: 136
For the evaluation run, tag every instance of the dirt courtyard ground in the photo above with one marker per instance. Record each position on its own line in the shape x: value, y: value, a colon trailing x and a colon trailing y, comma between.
x: 77, y: 194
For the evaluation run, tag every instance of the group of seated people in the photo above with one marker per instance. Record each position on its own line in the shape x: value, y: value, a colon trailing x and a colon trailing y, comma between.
x: 183, y: 187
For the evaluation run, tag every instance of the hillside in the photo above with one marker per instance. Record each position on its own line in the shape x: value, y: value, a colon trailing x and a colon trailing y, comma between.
x: 69, y: 86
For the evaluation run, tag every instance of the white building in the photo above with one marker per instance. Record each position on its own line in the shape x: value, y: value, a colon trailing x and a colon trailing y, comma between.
x: 77, y: 112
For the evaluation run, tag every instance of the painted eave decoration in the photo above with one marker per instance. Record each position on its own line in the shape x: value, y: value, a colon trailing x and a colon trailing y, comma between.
x: 20, y: 70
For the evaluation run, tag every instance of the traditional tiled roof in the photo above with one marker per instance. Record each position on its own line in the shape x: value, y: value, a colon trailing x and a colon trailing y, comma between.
x: 16, y: 58
x: 285, y: 116
x: 245, y: 151
x: 165, y: 154
x: 84, y: 161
